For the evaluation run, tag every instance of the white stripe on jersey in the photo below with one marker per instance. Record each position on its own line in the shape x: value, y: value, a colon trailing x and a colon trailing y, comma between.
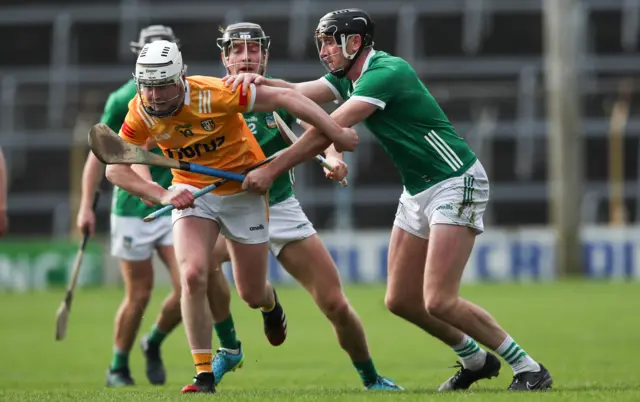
x: 447, y: 147
x: 438, y: 148
x: 204, y: 100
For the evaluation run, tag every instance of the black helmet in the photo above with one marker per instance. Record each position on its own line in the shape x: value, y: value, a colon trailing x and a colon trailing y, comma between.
x: 247, y: 32
x: 153, y: 33
x: 340, y: 25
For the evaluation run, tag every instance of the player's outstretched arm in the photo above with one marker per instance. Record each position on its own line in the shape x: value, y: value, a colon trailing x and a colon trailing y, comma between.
x: 312, y: 142
x: 268, y: 99
x: 92, y: 175
x: 315, y: 90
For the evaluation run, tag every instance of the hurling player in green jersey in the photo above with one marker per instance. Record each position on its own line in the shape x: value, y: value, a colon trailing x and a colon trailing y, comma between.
x: 133, y: 242
x: 440, y: 210
x: 292, y: 238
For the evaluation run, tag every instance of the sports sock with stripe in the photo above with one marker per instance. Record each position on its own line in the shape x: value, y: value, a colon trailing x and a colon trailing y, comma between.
x: 202, y: 359
x: 471, y: 354
x: 517, y: 358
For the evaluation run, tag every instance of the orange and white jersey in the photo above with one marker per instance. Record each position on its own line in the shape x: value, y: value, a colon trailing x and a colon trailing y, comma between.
x: 208, y: 130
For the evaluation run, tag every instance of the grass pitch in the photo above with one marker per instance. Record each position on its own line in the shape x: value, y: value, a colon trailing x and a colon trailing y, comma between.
x: 585, y: 333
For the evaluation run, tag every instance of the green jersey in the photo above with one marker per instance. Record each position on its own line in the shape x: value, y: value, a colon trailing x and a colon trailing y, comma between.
x: 115, y: 110
x: 409, y: 124
x: 264, y: 128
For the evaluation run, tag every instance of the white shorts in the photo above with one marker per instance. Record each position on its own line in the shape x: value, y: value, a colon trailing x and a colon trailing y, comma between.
x: 134, y: 240
x: 456, y: 201
x: 243, y: 217
x: 287, y: 223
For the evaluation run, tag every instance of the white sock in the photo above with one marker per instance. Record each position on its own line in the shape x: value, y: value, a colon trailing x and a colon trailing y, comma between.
x: 517, y: 358
x: 231, y: 351
x: 472, y: 355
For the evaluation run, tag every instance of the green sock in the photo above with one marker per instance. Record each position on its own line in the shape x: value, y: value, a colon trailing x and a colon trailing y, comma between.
x: 226, y: 333
x: 366, y: 371
x: 120, y: 360
x: 156, y: 336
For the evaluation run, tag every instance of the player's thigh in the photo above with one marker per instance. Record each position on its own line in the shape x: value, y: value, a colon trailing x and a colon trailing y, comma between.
x: 293, y: 240
x: 455, y: 210
x: 405, y: 269
x: 164, y: 247
x: 137, y: 276
x: 449, y: 250
x: 309, y: 262
x: 168, y: 256
x: 219, y: 253
x: 133, y: 246
x: 195, y: 231
x: 249, y: 266
x: 244, y: 222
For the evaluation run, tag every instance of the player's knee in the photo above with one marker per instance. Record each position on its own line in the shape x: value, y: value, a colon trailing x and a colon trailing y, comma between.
x: 251, y: 297
x: 139, y: 291
x: 193, y: 278
x: 440, y: 305
x: 140, y: 297
x: 335, y: 306
x: 398, y: 304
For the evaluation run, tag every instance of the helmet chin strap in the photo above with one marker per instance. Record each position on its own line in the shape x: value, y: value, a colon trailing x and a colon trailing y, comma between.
x: 342, y: 72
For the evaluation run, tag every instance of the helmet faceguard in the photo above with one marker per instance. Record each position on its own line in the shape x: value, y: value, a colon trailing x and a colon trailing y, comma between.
x: 154, y: 33
x: 160, y: 78
x: 248, y: 46
x: 342, y: 26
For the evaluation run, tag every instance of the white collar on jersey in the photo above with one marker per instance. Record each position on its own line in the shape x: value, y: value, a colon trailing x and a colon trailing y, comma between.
x: 187, y: 92
x: 365, y: 66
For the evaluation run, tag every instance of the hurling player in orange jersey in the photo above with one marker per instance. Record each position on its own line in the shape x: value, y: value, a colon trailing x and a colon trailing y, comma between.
x: 198, y: 119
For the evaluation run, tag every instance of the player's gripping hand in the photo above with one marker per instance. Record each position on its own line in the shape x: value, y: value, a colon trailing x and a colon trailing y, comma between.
x: 180, y: 199
x: 86, y: 220
x: 340, y: 169
x: 244, y: 79
x: 258, y: 181
x: 348, y: 140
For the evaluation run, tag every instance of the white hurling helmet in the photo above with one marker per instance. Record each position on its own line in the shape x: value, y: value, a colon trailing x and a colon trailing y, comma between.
x: 160, y: 64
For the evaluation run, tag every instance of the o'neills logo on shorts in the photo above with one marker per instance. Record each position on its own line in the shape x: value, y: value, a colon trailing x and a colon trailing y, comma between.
x: 254, y: 228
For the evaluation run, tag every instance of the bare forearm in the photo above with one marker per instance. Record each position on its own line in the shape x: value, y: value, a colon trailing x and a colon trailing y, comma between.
x: 308, y: 111
x: 310, y: 144
x: 274, y: 82
x: 91, y: 177
x: 331, y: 152
x: 127, y: 179
x: 142, y: 171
